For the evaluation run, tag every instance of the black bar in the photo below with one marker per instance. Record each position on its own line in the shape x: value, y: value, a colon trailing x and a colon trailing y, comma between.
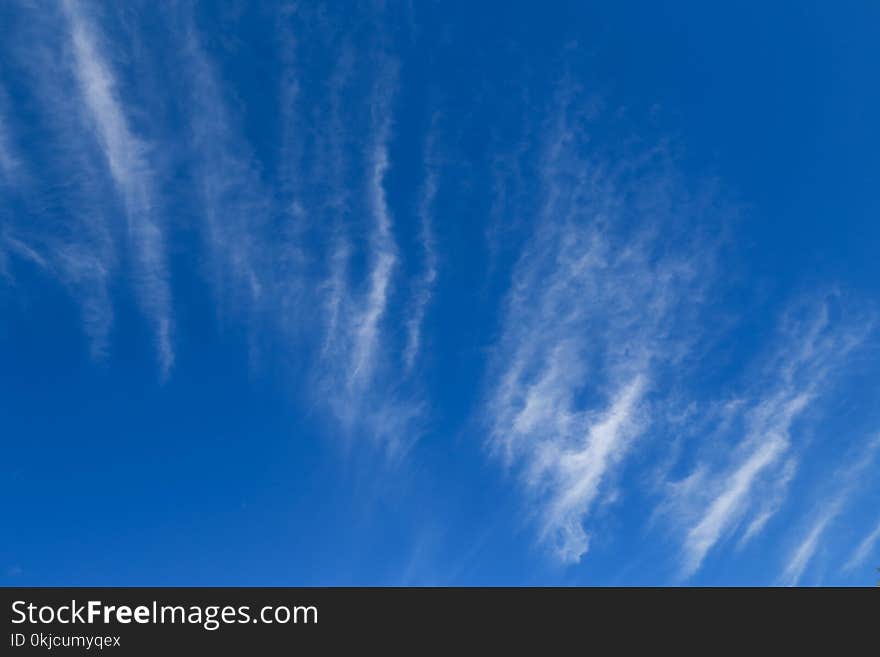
x: 453, y: 620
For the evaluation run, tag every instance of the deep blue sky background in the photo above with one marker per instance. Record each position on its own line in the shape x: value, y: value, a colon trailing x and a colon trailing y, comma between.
x: 430, y: 293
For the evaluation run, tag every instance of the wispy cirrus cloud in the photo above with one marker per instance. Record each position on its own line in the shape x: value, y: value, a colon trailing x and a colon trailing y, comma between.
x: 740, y: 481
x: 852, y: 476
x: 357, y: 376
x: 591, y: 324
x: 335, y: 205
x: 10, y: 162
x: 61, y: 220
x: 734, y: 490
x: 864, y: 549
x: 340, y: 137
x: 233, y: 206
x: 771, y: 503
x: 424, y: 286
x: 383, y: 254
x: 9, y: 166
x: 126, y: 155
x: 25, y: 252
x: 596, y: 354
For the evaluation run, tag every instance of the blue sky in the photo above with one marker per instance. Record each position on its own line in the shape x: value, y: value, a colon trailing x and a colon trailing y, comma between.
x: 439, y: 294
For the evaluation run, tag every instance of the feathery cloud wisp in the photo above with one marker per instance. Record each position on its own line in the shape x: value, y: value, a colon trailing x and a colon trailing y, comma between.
x: 383, y: 249
x: 60, y: 221
x: 592, y: 319
x: 863, y: 550
x: 767, y: 442
x: 742, y: 479
x: 852, y: 477
x: 233, y: 205
x: 126, y: 157
x: 357, y: 378
x: 425, y: 285
x: 9, y: 160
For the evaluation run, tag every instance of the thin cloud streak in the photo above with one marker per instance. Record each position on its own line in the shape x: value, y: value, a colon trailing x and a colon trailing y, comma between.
x: 126, y: 157
x: 335, y: 207
x: 383, y: 248
x: 425, y: 285
x: 743, y: 481
x: 767, y: 442
x: 804, y: 552
x: 232, y: 204
x: 852, y: 476
x: 864, y: 549
x: 772, y: 502
x: 357, y: 380
x: 10, y: 163
x: 72, y: 190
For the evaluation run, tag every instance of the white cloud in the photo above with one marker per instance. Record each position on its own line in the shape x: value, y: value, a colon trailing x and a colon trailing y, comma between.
x: 864, y: 548
x: 335, y: 207
x: 574, y: 477
x: 425, y: 285
x: 355, y: 377
x: 851, y: 476
x: 766, y: 444
x: 751, y: 456
x: 24, y: 251
x: 126, y: 157
x: 807, y: 547
x: 383, y: 249
x: 593, y: 318
x: 10, y: 163
x: 233, y: 205
x: 58, y: 220
x: 771, y: 502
